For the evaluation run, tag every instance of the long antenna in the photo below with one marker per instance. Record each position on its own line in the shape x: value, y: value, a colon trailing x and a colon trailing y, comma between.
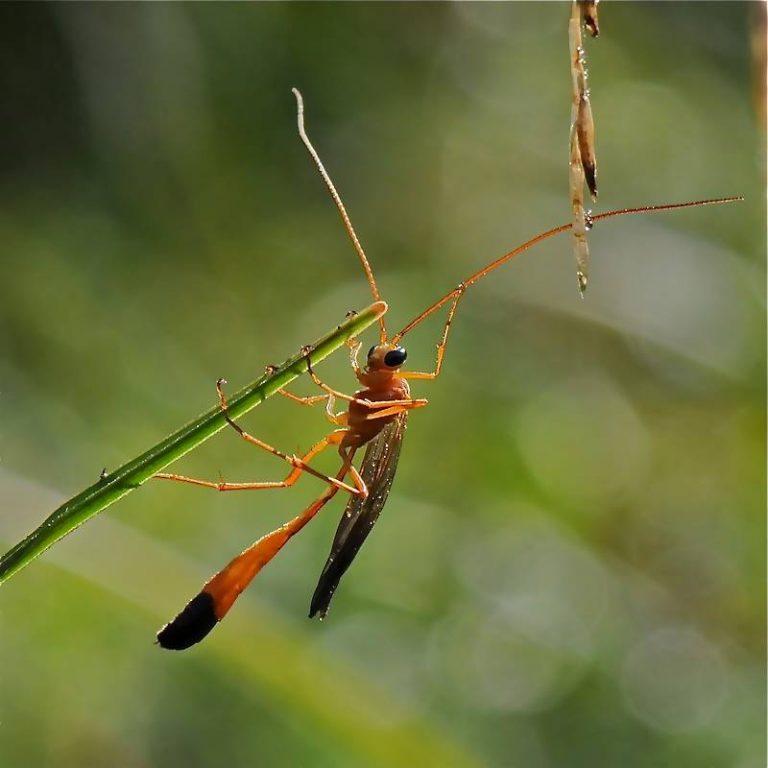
x: 481, y: 273
x: 340, y: 205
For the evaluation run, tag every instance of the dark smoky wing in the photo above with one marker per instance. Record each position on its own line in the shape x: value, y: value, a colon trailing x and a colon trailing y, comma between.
x: 359, y: 517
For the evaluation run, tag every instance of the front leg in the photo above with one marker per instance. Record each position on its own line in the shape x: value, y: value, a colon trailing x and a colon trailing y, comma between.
x: 393, y: 410
x: 341, y: 419
x: 354, y: 351
x: 408, y: 403
x: 301, y: 400
x: 441, y: 344
x: 331, y: 392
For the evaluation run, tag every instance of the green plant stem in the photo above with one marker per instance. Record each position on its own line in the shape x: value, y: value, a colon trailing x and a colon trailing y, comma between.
x: 130, y: 476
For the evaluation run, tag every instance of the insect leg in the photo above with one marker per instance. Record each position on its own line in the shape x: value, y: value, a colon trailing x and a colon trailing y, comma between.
x: 410, y: 402
x: 442, y: 343
x: 255, y: 440
x: 300, y: 465
x: 213, y: 602
x: 347, y: 454
x: 385, y: 412
x: 340, y: 419
x: 354, y: 350
x: 332, y: 392
x: 310, y: 400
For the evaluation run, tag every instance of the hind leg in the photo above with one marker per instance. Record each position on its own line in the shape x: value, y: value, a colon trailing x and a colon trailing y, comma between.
x: 300, y: 465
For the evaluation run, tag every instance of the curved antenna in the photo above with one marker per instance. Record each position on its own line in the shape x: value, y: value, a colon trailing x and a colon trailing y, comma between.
x: 481, y: 273
x: 339, y: 205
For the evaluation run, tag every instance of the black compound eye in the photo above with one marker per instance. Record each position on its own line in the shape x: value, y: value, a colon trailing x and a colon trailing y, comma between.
x: 371, y: 350
x: 395, y: 358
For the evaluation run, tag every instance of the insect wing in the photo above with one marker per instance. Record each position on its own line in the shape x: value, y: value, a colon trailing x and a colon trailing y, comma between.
x: 360, y: 515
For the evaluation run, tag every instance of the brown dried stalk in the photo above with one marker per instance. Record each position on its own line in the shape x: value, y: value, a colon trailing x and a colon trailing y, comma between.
x: 582, y: 162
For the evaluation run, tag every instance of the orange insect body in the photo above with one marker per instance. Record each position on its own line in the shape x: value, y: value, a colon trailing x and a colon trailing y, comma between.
x: 376, y: 416
x: 382, y: 384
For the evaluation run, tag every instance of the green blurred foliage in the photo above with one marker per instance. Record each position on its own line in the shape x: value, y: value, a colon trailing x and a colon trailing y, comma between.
x: 570, y: 570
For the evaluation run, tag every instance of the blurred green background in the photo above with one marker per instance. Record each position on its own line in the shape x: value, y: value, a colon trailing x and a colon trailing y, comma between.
x: 570, y: 570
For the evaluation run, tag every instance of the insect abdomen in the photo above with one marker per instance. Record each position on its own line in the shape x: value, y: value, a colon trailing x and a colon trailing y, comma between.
x: 194, y: 622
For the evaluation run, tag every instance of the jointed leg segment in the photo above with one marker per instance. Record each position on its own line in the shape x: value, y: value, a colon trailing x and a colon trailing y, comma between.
x: 347, y: 455
x: 374, y: 404
x: 298, y: 464
x: 441, y: 344
x: 383, y: 413
x: 311, y: 400
x: 354, y: 350
x: 339, y: 419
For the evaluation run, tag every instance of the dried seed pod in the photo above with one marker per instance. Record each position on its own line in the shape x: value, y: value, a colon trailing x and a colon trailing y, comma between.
x: 589, y: 15
x: 582, y: 162
x: 578, y: 216
x: 585, y: 131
